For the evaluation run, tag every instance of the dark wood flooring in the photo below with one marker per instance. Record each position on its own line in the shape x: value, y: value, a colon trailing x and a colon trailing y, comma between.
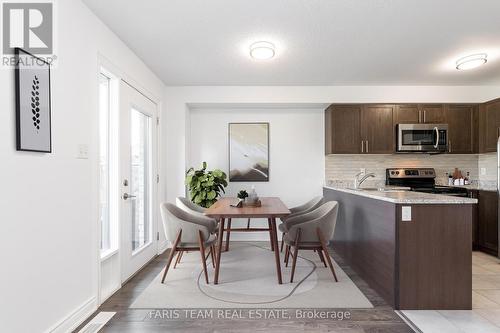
x: 381, y: 318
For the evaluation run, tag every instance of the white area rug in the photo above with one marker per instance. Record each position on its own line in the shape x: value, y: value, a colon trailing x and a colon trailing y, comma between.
x: 248, y: 280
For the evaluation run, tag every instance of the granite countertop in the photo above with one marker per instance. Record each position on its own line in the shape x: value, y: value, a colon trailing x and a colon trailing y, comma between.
x: 407, y: 197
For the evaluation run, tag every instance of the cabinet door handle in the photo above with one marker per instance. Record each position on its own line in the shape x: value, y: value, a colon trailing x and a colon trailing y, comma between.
x: 362, y: 146
x: 449, y: 146
x: 419, y: 116
x: 424, y: 116
x: 366, y: 145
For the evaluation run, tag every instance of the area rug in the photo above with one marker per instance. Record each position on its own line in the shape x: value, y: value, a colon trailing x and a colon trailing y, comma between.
x: 248, y: 280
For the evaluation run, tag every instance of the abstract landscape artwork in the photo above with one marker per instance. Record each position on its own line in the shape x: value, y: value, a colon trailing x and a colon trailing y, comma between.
x: 249, y: 152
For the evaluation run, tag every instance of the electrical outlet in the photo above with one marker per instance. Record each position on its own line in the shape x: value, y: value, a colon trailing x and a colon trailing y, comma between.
x: 483, y: 171
x: 406, y: 213
x: 82, y: 151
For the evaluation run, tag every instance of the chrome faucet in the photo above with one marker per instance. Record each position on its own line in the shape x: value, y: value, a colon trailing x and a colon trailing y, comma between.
x: 358, y: 182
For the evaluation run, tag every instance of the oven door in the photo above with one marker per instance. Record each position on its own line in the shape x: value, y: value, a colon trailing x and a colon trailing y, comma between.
x: 422, y: 137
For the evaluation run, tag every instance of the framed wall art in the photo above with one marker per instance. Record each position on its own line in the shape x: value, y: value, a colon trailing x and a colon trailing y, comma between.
x: 33, y: 105
x: 248, y: 152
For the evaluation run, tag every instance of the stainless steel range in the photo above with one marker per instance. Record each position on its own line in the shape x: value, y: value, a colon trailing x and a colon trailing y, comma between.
x: 420, y: 180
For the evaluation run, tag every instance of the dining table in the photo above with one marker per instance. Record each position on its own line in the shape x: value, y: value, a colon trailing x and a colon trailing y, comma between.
x: 270, y: 208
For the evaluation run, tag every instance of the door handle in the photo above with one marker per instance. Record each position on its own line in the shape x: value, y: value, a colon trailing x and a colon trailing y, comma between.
x: 437, y: 135
x: 127, y: 196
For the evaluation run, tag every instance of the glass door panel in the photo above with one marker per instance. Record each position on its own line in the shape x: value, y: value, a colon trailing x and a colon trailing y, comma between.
x: 140, y: 178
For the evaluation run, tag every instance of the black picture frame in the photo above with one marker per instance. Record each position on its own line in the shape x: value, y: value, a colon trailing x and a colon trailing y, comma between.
x: 232, y: 179
x: 19, y: 109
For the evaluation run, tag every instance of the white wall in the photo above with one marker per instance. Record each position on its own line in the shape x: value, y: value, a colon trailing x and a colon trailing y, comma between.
x: 48, y: 247
x: 296, y: 148
x: 179, y: 99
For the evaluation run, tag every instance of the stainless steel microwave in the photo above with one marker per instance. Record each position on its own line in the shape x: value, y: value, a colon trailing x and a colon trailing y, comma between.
x: 427, y: 138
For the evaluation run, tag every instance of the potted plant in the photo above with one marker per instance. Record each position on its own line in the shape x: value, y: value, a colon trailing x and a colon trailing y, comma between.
x: 205, y: 186
x: 242, y: 194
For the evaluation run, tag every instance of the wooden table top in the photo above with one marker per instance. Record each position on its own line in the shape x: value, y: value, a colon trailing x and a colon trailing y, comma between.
x: 271, y: 207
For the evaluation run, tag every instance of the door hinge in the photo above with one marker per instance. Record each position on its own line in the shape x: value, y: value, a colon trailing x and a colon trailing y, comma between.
x: 158, y: 235
x: 157, y: 179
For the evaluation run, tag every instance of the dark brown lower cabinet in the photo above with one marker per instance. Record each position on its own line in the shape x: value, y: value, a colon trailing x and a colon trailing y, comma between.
x: 486, y: 237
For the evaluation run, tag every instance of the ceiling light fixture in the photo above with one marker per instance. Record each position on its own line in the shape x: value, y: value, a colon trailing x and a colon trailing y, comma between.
x: 472, y: 61
x: 262, y: 50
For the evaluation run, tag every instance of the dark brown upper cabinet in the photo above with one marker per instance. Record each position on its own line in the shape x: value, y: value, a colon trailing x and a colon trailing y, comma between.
x: 377, y: 131
x: 357, y: 128
x: 419, y: 114
x: 432, y: 114
x: 462, y: 128
x: 406, y: 114
x: 343, y: 129
x: 489, y: 126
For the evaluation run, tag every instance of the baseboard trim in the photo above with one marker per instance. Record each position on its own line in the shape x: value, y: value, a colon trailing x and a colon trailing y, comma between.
x: 75, y: 318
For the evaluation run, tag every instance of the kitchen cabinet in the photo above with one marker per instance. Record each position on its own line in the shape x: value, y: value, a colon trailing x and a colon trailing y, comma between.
x: 487, y: 222
x: 406, y: 114
x: 343, y: 129
x: 475, y: 217
x: 377, y: 131
x: 462, y: 128
x: 489, y: 126
x: 359, y: 129
x: 432, y: 114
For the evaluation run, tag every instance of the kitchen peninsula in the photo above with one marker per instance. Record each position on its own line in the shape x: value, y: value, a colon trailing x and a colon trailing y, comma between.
x: 412, y: 248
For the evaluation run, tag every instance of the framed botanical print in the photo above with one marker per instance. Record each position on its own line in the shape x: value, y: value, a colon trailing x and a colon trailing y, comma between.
x: 249, y: 152
x: 33, y: 105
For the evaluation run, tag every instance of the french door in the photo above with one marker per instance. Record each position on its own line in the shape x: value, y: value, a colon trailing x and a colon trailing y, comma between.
x: 138, y: 170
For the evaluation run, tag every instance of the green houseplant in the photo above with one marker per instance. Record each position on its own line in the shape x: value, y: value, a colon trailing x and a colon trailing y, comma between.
x: 205, y: 186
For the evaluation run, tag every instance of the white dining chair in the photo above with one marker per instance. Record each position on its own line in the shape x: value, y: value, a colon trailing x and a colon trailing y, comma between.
x: 187, y: 232
x: 311, y: 231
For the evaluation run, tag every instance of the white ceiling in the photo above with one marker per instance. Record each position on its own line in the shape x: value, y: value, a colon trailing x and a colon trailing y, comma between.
x: 318, y: 42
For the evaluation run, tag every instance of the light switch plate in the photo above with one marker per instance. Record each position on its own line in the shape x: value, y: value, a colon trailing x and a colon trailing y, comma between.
x: 406, y: 213
x: 82, y: 151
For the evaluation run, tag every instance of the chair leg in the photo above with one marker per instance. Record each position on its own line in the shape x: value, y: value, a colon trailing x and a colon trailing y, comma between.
x: 178, y: 258
x: 202, y: 252
x: 295, y: 254
x: 171, y: 255
x: 288, y: 253
x: 321, y: 257
x: 212, y: 250
x: 228, y: 234
x: 325, y: 250
x: 248, y: 223
x: 282, y: 241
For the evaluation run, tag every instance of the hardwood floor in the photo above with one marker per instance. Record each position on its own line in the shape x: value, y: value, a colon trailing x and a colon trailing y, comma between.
x: 381, y: 318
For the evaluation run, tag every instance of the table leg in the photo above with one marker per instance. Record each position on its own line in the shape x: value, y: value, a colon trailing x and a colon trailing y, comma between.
x: 271, y: 233
x: 276, y: 253
x: 219, y: 250
x: 228, y: 233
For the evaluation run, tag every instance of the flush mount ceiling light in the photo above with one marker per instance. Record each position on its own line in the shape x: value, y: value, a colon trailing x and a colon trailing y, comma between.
x: 262, y: 50
x: 472, y: 61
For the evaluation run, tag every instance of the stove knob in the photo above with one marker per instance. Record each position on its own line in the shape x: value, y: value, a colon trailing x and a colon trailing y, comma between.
x: 392, y: 172
x: 397, y: 172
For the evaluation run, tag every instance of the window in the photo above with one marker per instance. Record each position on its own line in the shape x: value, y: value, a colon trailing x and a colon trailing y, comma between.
x: 104, y: 161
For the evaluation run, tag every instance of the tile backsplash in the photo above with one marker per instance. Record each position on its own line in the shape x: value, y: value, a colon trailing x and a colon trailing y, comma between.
x: 341, y: 169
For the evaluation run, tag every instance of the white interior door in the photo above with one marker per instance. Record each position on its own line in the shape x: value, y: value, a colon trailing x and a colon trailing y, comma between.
x: 138, y: 170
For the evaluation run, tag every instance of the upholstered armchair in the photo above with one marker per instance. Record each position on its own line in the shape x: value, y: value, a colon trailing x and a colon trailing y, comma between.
x: 311, y: 231
x: 187, y: 232
x: 299, y: 210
